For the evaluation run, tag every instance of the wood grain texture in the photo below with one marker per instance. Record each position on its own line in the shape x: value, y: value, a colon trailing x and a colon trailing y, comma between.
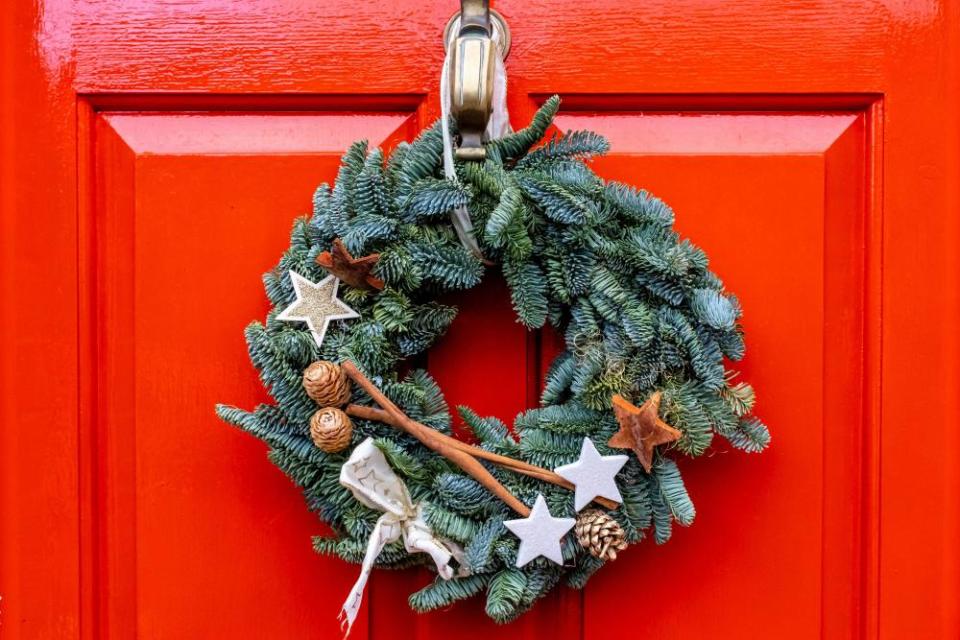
x: 133, y: 132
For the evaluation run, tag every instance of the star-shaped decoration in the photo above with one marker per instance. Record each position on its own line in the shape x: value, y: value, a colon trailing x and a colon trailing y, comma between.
x: 593, y: 475
x: 540, y: 534
x: 641, y: 428
x: 317, y: 305
x: 354, y: 271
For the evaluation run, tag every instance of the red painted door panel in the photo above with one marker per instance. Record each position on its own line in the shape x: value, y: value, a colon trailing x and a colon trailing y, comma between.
x: 153, y: 158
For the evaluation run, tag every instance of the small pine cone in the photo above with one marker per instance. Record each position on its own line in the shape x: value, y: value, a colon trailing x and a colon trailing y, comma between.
x: 327, y: 384
x: 331, y: 429
x: 600, y: 534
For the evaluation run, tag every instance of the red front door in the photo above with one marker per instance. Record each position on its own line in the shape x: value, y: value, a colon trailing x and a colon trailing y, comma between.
x: 154, y: 155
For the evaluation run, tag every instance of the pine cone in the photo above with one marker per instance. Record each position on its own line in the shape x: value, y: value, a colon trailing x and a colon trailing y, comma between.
x: 327, y: 384
x: 600, y: 534
x: 331, y: 429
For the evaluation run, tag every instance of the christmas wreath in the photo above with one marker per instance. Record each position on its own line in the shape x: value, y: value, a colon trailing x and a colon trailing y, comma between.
x: 647, y: 328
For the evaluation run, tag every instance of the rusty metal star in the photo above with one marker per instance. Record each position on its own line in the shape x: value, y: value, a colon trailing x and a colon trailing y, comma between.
x: 641, y: 428
x: 354, y: 271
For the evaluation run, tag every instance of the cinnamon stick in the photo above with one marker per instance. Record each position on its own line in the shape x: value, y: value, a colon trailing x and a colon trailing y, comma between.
x: 436, y: 441
x: 458, y: 452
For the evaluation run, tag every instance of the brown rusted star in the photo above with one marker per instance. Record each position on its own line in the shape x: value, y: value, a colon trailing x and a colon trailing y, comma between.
x: 641, y: 428
x: 354, y: 271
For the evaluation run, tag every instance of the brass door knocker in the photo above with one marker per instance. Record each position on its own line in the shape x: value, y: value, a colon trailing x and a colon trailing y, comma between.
x: 472, y: 71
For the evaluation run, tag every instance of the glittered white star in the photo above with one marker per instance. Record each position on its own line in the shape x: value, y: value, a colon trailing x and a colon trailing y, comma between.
x: 317, y: 305
x: 540, y: 533
x: 593, y: 475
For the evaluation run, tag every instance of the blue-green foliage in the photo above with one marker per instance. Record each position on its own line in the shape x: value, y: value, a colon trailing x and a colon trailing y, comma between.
x: 637, y: 305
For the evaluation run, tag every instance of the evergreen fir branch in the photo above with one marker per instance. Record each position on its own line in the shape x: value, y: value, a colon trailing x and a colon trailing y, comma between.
x: 450, y: 266
x: 393, y: 556
x: 433, y: 402
x: 637, y: 511
x: 422, y: 159
x: 395, y: 164
x: 518, y: 244
x: 461, y: 494
x: 528, y: 292
x: 586, y: 566
x: 433, y: 197
x: 685, y: 412
x: 479, y: 553
x: 371, y: 196
x: 393, y: 310
x: 583, y: 326
x: 262, y: 421
x: 571, y: 174
x: 578, y: 268
x: 608, y: 310
x: 568, y: 418
x: 639, y: 324
x: 590, y: 365
x: 449, y: 524
x: 571, y: 145
x: 739, y: 397
x: 721, y: 416
x: 303, y: 237
x: 487, y: 430
x: 670, y: 292
x: 401, y: 461
x: 487, y: 178
x: 442, y: 593
x: 540, y: 580
x: 515, y: 145
x: 277, y: 373
x: 550, y: 450
x: 751, y: 435
x: 713, y: 309
x: 326, y: 217
x: 671, y: 488
x: 509, y: 208
x: 732, y: 344
x: 397, y: 268
x: 505, y: 593
x: 370, y: 347
x: 660, y: 510
x: 558, y: 379
x: 644, y: 368
x: 351, y: 165
x: 676, y: 328
x: 556, y: 202
x: 637, y: 205
x: 363, y: 230
x: 359, y: 520
x: 430, y: 321
x: 601, y: 389
x: 556, y: 280
x: 421, y: 399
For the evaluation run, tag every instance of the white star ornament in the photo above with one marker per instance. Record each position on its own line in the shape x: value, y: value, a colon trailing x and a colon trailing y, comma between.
x: 317, y: 305
x: 540, y: 534
x: 593, y: 475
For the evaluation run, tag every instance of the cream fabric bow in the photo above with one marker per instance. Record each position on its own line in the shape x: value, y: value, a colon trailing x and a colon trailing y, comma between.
x: 368, y: 476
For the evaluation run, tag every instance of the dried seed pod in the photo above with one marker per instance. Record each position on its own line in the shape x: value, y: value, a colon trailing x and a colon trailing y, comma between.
x: 600, y: 534
x: 327, y: 384
x: 331, y: 429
